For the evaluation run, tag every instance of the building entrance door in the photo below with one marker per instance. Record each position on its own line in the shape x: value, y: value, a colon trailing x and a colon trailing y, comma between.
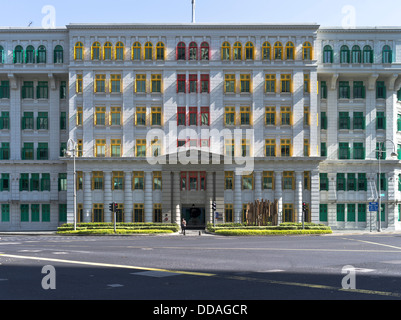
x: 195, y: 217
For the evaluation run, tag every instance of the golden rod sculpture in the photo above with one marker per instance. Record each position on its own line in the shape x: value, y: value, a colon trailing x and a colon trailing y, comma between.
x: 262, y: 213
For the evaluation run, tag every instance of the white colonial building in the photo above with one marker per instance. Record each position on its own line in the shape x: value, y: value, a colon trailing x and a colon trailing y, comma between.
x: 169, y: 118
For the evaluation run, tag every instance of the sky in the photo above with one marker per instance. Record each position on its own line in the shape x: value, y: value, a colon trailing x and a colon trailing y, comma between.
x: 327, y: 13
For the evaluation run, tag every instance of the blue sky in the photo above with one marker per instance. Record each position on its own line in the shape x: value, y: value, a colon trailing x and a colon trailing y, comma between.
x: 323, y: 12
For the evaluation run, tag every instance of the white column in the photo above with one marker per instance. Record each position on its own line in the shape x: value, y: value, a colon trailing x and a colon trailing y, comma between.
x: 298, y: 195
x: 315, y: 196
x: 176, y: 216
x: 128, y: 201
x: 148, y: 197
x: 258, y: 185
x: 107, y: 196
x: 87, y: 196
x: 278, y: 193
x: 209, y: 197
x: 237, y: 199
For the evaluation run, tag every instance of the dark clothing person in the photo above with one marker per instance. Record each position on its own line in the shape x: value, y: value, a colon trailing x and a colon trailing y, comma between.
x: 183, y: 226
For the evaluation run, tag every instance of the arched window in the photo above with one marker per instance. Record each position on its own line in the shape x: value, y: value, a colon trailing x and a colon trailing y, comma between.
x: 41, y: 54
x: 119, y: 51
x: 204, y: 54
x: 18, y: 54
x: 148, y: 51
x: 107, y: 51
x: 2, y: 55
x: 136, y: 51
x: 225, y: 51
x: 249, y: 51
x: 344, y: 54
x: 307, y: 51
x: 58, y: 54
x: 367, y: 54
x: 327, y: 54
x: 356, y: 54
x: 160, y: 51
x: 278, y: 51
x: 289, y: 51
x: 387, y: 54
x: 30, y: 54
x: 95, y: 54
x: 193, y: 51
x: 266, y: 51
x: 79, y: 51
x: 181, y: 51
x: 237, y: 51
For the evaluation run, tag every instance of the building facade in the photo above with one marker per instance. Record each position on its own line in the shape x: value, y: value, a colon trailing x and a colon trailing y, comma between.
x: 169, y: 118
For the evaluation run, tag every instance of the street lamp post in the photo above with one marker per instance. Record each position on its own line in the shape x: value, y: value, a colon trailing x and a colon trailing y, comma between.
x: 393, y: 154
x: 71, y: 149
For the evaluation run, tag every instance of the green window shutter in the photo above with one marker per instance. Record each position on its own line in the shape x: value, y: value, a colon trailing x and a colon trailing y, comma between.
x: 362, y: 212
x: 62, y: 212
x: 5, y: 213
x: 45, y: 212
x: 35, y: 214
x: 362, y: 182
x: 45, y: 182
x: 323, y: 216
x: 340, y: 212
x: 24, y: 208
x: 351, y: 212
x: 341, y: 182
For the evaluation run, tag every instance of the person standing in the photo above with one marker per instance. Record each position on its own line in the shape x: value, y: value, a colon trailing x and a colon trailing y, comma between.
x: 183, y: 226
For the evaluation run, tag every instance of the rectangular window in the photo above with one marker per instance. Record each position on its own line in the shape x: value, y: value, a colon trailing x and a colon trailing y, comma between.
x: 115, y: 148
x: 157, y: 213
x: 140, y: 83
x: 323, y: 124
x: 193, y: 180
x: 98, y: 212
x: 80, y: 148
x: 80, y: 180
x: 288, y: 180
x: 286, y: 84
x: 344, y: 90
x: 288, y: 213
x: 306, y: 148
x: 229, y: 83
x: 359, y: 120
x: 5, y: 120
x: 97, y: 180
x: 324, y: 182
x: 359, y: 150
x: 156, y: 147
x: 381, y: 121
x: 181, y: 83
x: 79, y: 84
x: 341, y: 182
x: 27, y: 151
x: 381, y: 90
x: 382, y: 181
x: 270, y: 116
x: 156, y: 81
x: 193, y: 83
x: 100, y: 83
x: 115, y: 83
x: 100, y: 148
x: 270, y: 83
x: 245, y: 148
x: 63, y: 90
x: 118, y: 180
x: 115, y: 116
x: 351, y: 212
x: 245, y: 116
x: 42, y: 90
x: 229, y: 116
x: 27, y: 121
x: 247, y: 182
x: 43, y: 151
x: 193, y: 116
x: 100, y: 116
x: 268, y: 180
x: 45, y: 182
x: 351, y: 182
x: 362, y: 212
x: 5, y: 151
x: 181, y: 116
x: 139, y: 212
x: 35, y: 213
x: 205, y: 116
x: 270, y: 147
x: 307, y: 180
x: 228, y: 213
x: 138, y: 181
x: 359, y: 90
x: 229, y: 147
x: 285, y: 148
x: 362, y: 182
x: 323, y: 213
x: 183, y: 181
x: 245, y: 83
x: 286, y: 118
x: 5, y: 182
x: 205, y: 83
x: 5, y: 89
x: 24, y: 212
x: 306, y: 116
x: 323, y: 149
x: 62, y: 182
x: 140, y: 116
x: 45, y: 212
x: 79, y: 116
x: 344, y: 121
x: 157, y: 180
x: 340, y: 212
x: 306, y: 83
x: 27, y: 90
x: 42, y: 121
x: 140, y: 148
x: 63, y: 120
x: 344, y: 151
x: 5, y: 213
x: 323, y: 88
x: 156, y: 116
x: 24, y: 182
x: 229, y: 180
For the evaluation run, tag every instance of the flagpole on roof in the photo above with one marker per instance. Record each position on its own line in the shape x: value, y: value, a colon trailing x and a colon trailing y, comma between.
x: 193, y: 11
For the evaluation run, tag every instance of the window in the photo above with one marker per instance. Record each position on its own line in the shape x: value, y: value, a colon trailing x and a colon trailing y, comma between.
x: 356, y: 54
x: 97, y: 180
x: 140, y: 148
x: 139, y: 212
x: 237, y: 51
x: 79, y: 51
x: 266, y: 51
x: 5, y: 120
x: 245, y: 116
x: 307, y: 51
x: 156, y: 83
x: 24, y: 182
x: 35, y: 182
x: 140, y: 116
x: 42, y: 90
x: 98, y: 212
x: 324, y: 182
x: 306, y: 116
x: 249, y: 51
x: 286, y: 118
x: 140, y: 83
x: 351, y: 182
x: 63, y: 89
x: 27, y: 151
x: 80, y: 148
x: 5, y: 213
x: 306, y: 83
x: 119, y: 51
x: 193, y: 180
x: 289, y: 51
x: 286, y: 148
x: 5, y: 151
x: 157, y: 180
x: 229, y: 150
x: 362, y: 212
x: 30, y: 54
x: 100, y: 116
x: 136, y: 51
x: 382, y: 182
x: 41, y: 54
x: 270, y: 147
x: 323, y: 88
x: 5, y: 90
x: 115, y: 83
x: 387, y: 55
x: 115, y: 148
x: 157, y: 213
x: 27, y: 121
x: 367, y: 54
x: 156, y: 116
x: 58, y: 54
x: 359, y: 90
x: 270, y: 83
x: 278, y: 51
x: 183, y: 181
x: 156, y: 148
x: 62, y: 182
x: 27, y: 90
x: 95, y: 51
x: 160, y: 51
x: 228, y: 213
x: 5, y: 182
x: 18, y: 55
x: 24, y: 212
x: 286, y: 84
x: 288, y: 213
x: 247, y: 182
x: 306, y: 148
x: 79, y: 116
x: 229, y: 116
x: 380, y: 121
x: 381, y: 90
x: 205, y: 83
x: 181, y: 116
x: 118, y: 180
x: 288, y: 180
x: 205, y: 53
x: 245, y: 148
x: 245, y: 83
x: 344, y: 90
x: 307, y: 180
x: 193, y: 83
x: 359, y: 120
x: 362, y: 182
x: 115, y: 116
x: 229, y: 180
x: 268, y: 180
x: 341, y: 182
x: 42, y: 121
x: 225, y: 51
x: 351, y: 212
x: 229, y: 83
x: 79, y: 84
x: 359, y: 151
x: 193, y: 116
x: 344, y: 54
x: 2, y: 55
x: 344, y: 151
x: 181, y: 83
x: 100, y: 148
x: 327, y: 54
x: 181, y: 51
x: 323, y: 216
x: 193, y: 51
x: 270, y: 116
x: 138, y: 181
x: 100, y: 83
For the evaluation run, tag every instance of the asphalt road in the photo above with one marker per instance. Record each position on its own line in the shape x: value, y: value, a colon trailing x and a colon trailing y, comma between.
x: 193, y: 268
